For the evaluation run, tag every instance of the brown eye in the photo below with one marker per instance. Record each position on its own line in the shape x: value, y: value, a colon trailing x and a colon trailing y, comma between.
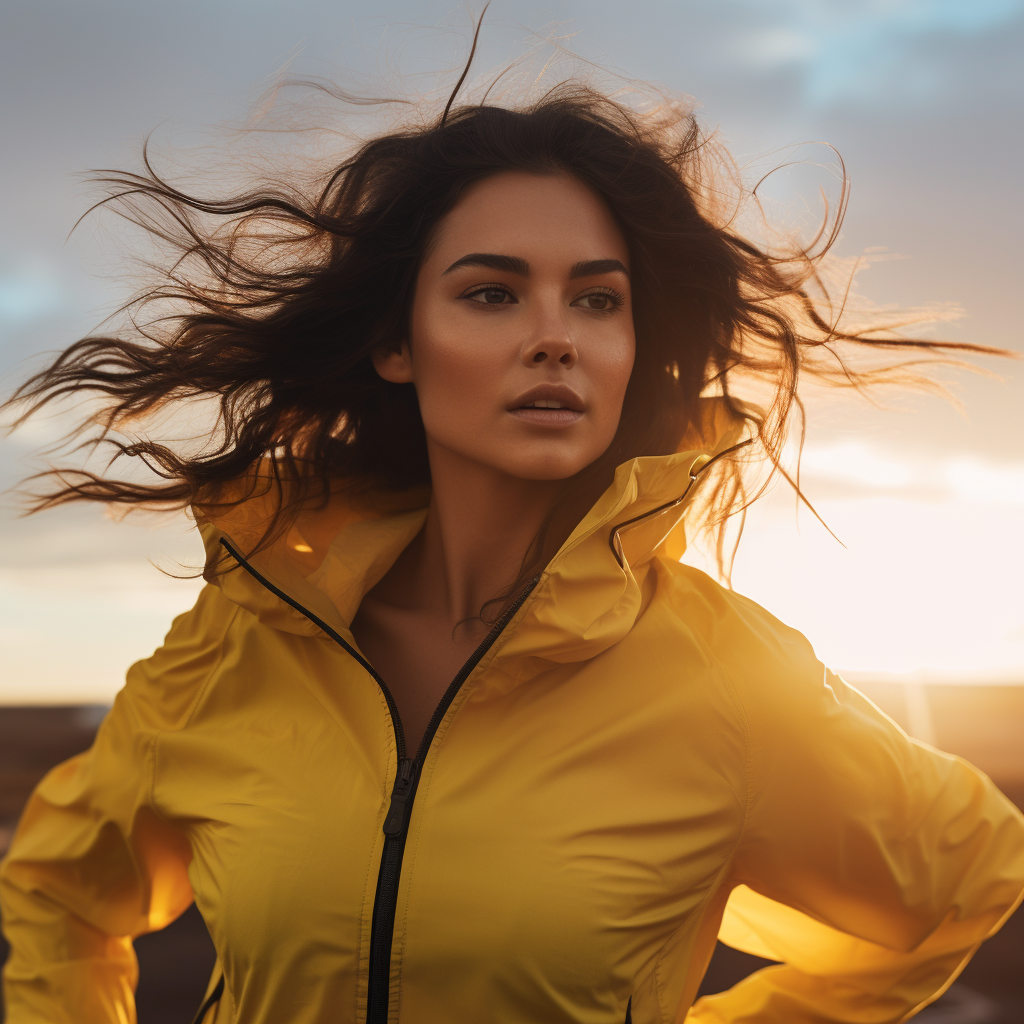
x: 599, y: 302
x: 490, y: 296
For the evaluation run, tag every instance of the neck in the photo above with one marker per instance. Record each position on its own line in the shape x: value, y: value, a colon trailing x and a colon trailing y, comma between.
x: 479, y: 526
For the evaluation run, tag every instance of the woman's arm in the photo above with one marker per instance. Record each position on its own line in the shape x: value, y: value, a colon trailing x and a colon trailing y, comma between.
x: 872, y: 866
x: 92, y: 864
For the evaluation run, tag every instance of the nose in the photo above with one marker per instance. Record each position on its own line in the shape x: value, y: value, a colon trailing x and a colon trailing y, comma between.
x: 551, y: 344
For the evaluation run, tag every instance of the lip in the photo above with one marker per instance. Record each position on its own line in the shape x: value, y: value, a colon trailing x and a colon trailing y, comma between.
x: 561, y: 393
x: 571, y: 412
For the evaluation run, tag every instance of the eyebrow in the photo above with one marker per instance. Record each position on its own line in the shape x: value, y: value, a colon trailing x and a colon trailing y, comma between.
x: 588, y: 268
x: 517, y: 265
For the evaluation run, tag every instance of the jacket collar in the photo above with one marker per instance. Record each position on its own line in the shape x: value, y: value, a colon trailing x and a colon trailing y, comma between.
x: 585, y: 601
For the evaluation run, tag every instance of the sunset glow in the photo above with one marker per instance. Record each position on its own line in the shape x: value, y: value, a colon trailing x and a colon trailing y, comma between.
x: 928, y: 583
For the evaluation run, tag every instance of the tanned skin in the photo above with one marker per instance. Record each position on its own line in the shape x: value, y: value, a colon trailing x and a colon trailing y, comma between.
x: 550, y: 320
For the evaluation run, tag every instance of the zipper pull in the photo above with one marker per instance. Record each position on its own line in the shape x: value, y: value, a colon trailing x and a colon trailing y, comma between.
x: 401, y: 795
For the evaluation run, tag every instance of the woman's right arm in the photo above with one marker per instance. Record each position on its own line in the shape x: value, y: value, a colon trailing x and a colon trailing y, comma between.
x: 92, y: 864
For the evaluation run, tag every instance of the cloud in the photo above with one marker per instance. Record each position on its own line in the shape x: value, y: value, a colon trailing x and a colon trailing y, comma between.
x: 27, y: 295
x: 858, y: 465
x: 871, y: 50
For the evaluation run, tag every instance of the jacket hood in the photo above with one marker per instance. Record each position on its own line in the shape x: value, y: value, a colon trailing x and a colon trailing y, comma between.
x: 588, y: 597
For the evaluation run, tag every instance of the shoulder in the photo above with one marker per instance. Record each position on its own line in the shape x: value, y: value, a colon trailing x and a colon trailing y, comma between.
x: 733, y: 626
x: 770, y: 665
x: 800, y: 717
x: 162, y: 690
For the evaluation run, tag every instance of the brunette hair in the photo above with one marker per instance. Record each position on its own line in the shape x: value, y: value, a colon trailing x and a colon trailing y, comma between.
x: 278, y: 296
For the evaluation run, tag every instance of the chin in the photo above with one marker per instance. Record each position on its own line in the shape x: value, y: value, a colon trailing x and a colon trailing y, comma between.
x: 545, y: 469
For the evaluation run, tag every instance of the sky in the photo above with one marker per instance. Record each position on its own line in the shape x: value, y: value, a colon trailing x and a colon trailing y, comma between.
x: 922, y: 98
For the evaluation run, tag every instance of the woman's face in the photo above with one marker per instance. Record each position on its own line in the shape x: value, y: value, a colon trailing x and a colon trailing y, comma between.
x: 521, y: 334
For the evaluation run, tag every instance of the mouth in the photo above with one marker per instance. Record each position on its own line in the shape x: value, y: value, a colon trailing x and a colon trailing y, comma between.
x: 554, y: 405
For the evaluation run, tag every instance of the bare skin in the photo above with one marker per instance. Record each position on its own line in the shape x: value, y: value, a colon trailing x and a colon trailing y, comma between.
x: 489, y: 338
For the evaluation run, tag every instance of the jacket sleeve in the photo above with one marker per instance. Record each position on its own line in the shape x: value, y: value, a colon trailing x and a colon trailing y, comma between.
x: 871, y: 866
x: 92, y: 864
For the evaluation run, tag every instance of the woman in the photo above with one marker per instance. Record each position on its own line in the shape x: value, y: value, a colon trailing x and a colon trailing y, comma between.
x: 451, y: 735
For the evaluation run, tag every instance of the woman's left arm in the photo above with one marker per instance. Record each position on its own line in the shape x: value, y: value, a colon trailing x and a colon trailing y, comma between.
x: 871, y: 865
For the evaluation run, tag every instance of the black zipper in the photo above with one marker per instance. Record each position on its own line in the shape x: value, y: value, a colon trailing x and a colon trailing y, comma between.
x: 396, y: 821
x: 211, y: 1000
x: 396, y: 826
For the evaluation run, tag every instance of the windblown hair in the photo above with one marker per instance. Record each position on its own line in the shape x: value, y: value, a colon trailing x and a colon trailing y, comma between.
x: 278, y: 297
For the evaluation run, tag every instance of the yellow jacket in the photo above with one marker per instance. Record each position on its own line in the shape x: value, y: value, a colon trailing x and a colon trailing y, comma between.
x: 636, y: 753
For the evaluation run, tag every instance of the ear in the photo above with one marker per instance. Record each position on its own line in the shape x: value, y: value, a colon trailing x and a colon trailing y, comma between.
x: 394, y: 366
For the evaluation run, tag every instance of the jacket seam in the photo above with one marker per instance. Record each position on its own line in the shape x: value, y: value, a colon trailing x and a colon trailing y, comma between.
x: 727, y: 863
x: 200, y: 691
x: 151, y: 757
x: 659, y: 964
x: 154, y: 753
x: 748, y: 758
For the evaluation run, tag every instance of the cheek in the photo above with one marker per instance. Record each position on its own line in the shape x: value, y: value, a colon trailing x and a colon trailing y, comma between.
x: 457, y: 373
x: 613, y: 370
x: 451, y: 364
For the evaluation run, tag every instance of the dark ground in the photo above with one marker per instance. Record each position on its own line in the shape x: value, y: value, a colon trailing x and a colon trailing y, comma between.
x: 175, y: 963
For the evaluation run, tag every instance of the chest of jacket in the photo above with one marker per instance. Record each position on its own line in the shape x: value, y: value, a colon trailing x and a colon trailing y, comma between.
x: 564, y: 828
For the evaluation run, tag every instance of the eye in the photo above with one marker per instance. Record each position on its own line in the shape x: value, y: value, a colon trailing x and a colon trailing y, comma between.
x: 604, y: 301
x: 491, y: 295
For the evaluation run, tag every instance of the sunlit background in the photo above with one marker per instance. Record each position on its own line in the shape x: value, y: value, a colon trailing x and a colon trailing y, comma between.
x: 923, y: 99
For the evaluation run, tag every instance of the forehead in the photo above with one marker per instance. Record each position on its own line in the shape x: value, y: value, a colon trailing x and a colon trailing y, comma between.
x: 552, y: 218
